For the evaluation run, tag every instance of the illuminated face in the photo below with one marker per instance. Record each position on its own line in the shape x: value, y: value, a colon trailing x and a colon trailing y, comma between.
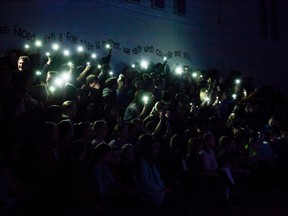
x: 21, y: 65
x: 93, y: 84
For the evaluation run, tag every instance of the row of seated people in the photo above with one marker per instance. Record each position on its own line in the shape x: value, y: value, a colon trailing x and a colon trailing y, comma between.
x: 99, y: 148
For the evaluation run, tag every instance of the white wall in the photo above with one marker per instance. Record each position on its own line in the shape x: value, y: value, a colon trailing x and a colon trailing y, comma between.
x: 222, y: 34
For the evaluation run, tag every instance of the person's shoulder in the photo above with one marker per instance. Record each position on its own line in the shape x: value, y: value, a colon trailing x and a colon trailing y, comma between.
x: 112, y: 142
x: 202, y: 153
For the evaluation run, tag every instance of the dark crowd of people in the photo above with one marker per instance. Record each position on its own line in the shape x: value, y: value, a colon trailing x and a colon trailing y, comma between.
x: 80, y: 139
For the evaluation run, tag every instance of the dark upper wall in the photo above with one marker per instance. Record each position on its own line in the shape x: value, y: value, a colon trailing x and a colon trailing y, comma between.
x: 222, y: 34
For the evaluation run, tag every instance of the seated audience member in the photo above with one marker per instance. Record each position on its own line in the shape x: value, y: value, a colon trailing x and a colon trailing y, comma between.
x: 148, y: 176
x: 120, y: 136
x: 100, y: 130
x: 105, y: 185
x: 127, y: 165
x: 69, y: 110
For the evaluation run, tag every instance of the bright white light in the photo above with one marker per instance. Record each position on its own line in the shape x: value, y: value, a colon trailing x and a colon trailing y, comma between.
x: 207, y: 99
x: 88, y: 63
x: 234, y: 96
x: 55, y: 46
x: 66, y: 52
x: 65, y: 77
x: 80, y: 49
x: 145, y: 99
x: 99, y: 66
x: 108, y: 46
x: 133, y: 65
x: 70, y: 64
x: 179, y: 70
x: 52, y: 89
x: 47, y: 54
x: 237, y: 81
x: 244, y: 93
x: 38, y: 43
x: 26, y: 46
x: 144, y: 64
x: 38, y: 73
x: 194, y: 75
x: 93, y: 56
x: 164, y: 58
x: 111, y: 73
x: 58, y: 82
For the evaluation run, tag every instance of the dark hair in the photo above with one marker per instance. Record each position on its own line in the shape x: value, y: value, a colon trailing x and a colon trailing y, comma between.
x: 77, y: 148
x: 25, y: 59
x: 150, y: 126
x: 145, y: 146
x: 207, y: 136
x: 126, y: 147
x: 70, y: 92
x: 110, y: 82
x: 53, y: 113
x: 91, y: 78
x: 98, y: 151
x: 176, y: 142
x: 39, y: 93
x: 64, y: 127
x: 67, y: 105
x: 117, y: 128
x: 98, y: 124
x: 47, y: 129
x: 224, y: 141
x: 80, y: 129
x: 193, y: 146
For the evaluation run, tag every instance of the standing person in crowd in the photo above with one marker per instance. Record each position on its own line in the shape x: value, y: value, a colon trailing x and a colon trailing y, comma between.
x: 110, y: 94
x: 90, y: 99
